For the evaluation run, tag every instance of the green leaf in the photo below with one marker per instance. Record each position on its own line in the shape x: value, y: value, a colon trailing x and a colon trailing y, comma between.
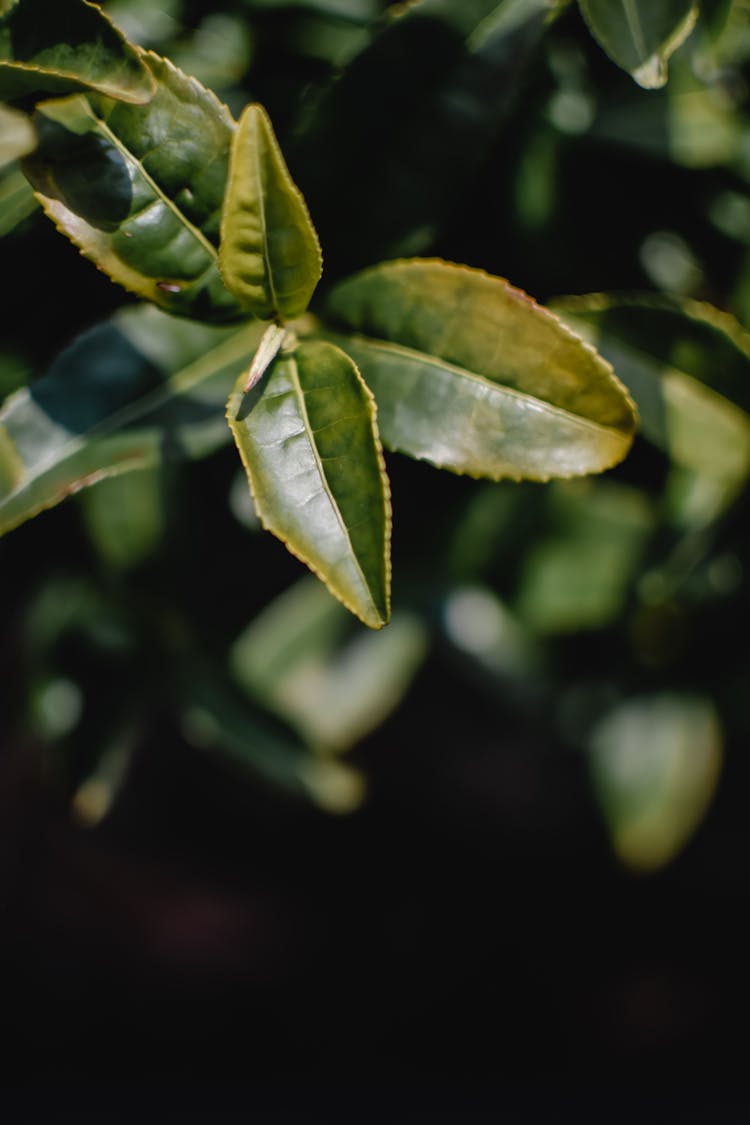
x: 715, y: 15
x: 688, y: 367
x: 305, y: 658
x: 70, y: 46
x: 578, y: 574
x: 655, y: 762
x: 218, y: 52
x: 139, y: 189
x: 125, y: 395
x: 216, y: 717
x: 475, y: 19
x: 472, y: 375
x: 309, y: 443
x: 147, y: 23
x: 690, y: 122
x: 488, y: 635
x: 269, y: 253
x: 125, y: 516
x: 16, y: 199
x: 16, y: 135
x: 726, y: 30
x: 640, y: 35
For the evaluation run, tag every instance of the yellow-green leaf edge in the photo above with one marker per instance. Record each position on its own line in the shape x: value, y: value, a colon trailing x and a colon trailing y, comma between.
x: 372, y: 620
x: 249, y: 265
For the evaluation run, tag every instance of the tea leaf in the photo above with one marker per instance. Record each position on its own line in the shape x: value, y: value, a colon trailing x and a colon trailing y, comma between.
x: 71, y: 46
x: 640, y: 35
x: 269, y: 253
x: 309, y: 443
x: 142, y: 198
x: 473, y: 376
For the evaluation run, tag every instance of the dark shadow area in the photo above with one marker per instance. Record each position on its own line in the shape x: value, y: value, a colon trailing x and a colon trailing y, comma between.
x: 419, y: 112
x: 85, y: 172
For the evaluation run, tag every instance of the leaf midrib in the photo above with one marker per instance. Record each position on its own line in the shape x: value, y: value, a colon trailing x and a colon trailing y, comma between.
x: 435, y: 361
x: 262, y: 209
x: 157, y: 189
x: 299, y: 393
x: 634, y: 23
x: 176, y: 384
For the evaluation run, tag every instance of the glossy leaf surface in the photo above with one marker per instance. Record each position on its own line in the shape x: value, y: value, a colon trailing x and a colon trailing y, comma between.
x: 688, y: 367
x: 472, y: 375
x: 640, y: 35
x: 69, y: 46
x: 309, y: 443
x: 125, y: 395
x: 16, y: 135
x: 143, y: 196
x: 269, y: 253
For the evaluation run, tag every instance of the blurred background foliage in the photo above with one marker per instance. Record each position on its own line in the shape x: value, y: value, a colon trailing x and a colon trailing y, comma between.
x: 560, y: 701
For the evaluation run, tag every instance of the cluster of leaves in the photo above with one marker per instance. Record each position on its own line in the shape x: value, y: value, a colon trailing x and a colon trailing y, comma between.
x: 149, y: 174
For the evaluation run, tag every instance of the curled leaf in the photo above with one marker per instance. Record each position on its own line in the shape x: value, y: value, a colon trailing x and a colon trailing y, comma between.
x: 269, y: 254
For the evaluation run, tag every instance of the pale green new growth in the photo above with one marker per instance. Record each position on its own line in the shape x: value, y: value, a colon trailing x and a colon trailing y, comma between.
x: 269, y: 254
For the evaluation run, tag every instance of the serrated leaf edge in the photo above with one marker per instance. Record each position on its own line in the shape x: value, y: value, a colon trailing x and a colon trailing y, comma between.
x: 122, y: 274
x: 377, y: 621
x: 585, y: 423
x: 99, y: 87
x: 270, y: 136
x: 523, y: 298
x: 702, y: 311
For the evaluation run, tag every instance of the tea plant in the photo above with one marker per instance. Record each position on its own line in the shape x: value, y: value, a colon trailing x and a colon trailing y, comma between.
x: 238, y: 327
x: 150, y: 176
